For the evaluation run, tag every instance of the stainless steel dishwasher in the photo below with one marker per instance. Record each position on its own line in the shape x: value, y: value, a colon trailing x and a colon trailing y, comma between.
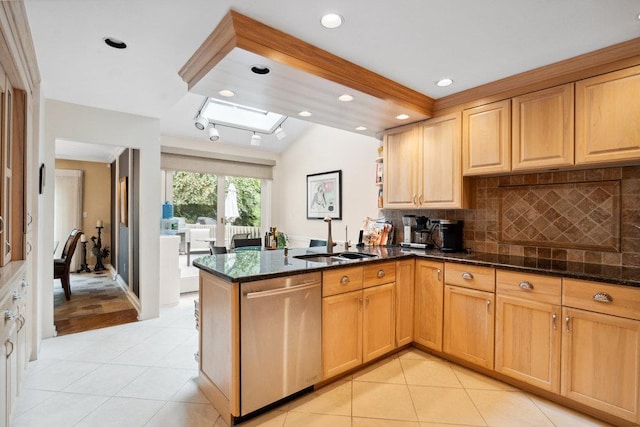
x: 280, y: 338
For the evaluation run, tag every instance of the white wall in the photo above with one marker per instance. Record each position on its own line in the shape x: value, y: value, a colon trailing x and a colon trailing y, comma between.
x: 91, y: 125
x: 324, y: 149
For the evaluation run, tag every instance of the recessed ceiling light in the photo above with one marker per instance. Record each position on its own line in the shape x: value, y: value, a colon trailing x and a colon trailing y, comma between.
x: 115, y: 43
x: 444, y: 82
x: 260, y: 69
x: 361, y: 128
x: 345, y: 98
x: 331, y: 20
x: 402, y: 116
x: 227, y: 93
x: 304, y: 113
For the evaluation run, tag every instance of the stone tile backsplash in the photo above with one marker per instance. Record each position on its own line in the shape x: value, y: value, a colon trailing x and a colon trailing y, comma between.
x: 579, y: 215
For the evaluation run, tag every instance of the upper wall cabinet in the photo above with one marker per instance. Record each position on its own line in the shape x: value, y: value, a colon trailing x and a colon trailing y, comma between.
x: 608, y: 117
x: 441, y: 185
x: 402, y: 154
x: 486, y: 139
x: 543, y: 129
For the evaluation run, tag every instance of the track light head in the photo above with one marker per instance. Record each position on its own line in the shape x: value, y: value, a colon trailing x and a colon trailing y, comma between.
x: 256, y: 139
x: 280, y: 133
x: 213, y: 134
x: 201, y: 123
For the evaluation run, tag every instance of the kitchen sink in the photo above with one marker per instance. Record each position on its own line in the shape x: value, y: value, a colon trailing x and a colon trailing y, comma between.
x: 342, y: 256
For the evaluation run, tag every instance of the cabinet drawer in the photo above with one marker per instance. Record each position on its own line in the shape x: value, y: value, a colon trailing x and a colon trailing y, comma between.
x: 341, y: 280
x: 377, y: 274
x: 617, y: 300
x: 534, y: 287
x: 470, y: 276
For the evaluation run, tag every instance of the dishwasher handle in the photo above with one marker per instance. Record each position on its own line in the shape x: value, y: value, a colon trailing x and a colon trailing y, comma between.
x: 278, y: 291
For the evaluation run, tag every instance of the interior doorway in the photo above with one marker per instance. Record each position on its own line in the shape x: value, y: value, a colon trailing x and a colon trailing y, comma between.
x: 68, y: 210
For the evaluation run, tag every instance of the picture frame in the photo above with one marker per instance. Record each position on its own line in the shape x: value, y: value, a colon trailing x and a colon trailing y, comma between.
x: 324, y: 195
x: 124, y: 208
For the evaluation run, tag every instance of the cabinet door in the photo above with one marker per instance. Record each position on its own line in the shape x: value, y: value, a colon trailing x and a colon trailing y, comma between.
x: 486, y: 139
x: 401, y: 168
x: 600, y: 363
x: 441, y: 185
x: 4, y: 348
x: 528, y: 341
x: 608, y: 117
x: 404, y: 301
x: 543, y: 129
x: 11, y: 371
x: 429, y: 289
x: 468, y: 325
x: 341, y: 333
x: 379, y: 330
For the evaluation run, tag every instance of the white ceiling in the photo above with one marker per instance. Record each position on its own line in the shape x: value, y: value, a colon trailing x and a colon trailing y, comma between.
x: 413, y: 42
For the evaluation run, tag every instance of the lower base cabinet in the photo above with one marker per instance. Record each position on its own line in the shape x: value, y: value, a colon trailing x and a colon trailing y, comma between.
x: 601, y: 362
x: 469, y: 325
x: 429, y: 291
x: 357, y: 327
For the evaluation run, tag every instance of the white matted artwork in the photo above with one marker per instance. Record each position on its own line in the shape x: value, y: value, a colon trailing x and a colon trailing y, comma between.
x: 324, y: 195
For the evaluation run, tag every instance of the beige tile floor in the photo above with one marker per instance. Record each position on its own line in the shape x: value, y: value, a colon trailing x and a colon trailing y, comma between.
x: 142, y: 374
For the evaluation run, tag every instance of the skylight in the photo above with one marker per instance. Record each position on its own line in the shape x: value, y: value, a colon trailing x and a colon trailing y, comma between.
x: 234, y: 115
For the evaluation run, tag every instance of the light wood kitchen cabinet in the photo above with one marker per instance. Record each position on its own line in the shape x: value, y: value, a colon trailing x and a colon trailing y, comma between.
x: 601, y: 347
x: 486, y: 139
x: 429, y: 303
x: 357, y: 325
x: 543, y: 129
x: 528, y: 328
x: 608, y: 118
x: 341, y: 333
x: 379, y: 322
x: 402, y: 167
x: 469, y: 316
x: 405, y: 273
x: 442, y: 185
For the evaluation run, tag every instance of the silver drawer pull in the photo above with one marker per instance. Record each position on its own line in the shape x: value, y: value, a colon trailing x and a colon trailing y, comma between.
x: 526, y: 286
x: 15, y: 295
x: 9, y: 315
x: 602, y: 297
x: 467, y: 276
x: 380, y: 274
x: 8, y: 352
x: 344, y: 280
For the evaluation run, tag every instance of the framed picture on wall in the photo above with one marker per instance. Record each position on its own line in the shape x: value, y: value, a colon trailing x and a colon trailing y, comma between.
x: 124, y: 212
x: 324, y: 195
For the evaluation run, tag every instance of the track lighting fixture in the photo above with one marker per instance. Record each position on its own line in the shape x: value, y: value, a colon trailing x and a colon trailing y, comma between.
x: 213, y: 133
x: 255, y: 139
x: 280, y: 133
x: 201, y: 123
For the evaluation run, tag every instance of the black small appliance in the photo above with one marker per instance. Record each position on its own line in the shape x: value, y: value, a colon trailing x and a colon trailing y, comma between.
x: 451, y: 235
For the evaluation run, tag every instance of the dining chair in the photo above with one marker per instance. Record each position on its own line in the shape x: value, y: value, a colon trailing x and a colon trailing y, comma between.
x: 62, y: 266
x: 237, y: 237
x: 217, y: 250
x: 254, y: 243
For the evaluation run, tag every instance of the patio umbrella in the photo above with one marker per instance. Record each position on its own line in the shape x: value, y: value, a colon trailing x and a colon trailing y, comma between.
x: 231, y: 212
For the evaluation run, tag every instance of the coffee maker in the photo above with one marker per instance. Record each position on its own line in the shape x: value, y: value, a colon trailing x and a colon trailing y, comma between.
x: 416, y: 232
x: 451, y: 235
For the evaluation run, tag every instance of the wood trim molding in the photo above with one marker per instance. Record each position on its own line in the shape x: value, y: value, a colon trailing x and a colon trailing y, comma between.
x: 612, y: 58
x: 17, y: 52
x: 239, y: 31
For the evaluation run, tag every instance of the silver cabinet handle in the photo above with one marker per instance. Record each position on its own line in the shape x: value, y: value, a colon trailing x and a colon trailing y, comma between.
x: 554, y: 318
x: 367, y: 300
x: 8, y: 246
x: 29, y: 218
x: 15, y: 295
x: 488, y: 306
x: 6, y: 345
x: 344, y: 280
x: 1, y: 225
x: 566, y: 323
x: 24, y: 283
x: 439, y: 272
x: 420, y: 199
x: 29, y: 248
x: 603, y: 297
x: 380, y: 274
x: 414, y: 200
x: 467, y: 276
x: 527, y: 286
x: 9, y: 315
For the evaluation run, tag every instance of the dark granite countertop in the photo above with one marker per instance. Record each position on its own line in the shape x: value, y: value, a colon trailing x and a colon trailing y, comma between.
x: 248, y: 266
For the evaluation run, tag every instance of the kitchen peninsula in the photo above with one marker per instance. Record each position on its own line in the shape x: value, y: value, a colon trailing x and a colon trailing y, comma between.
x: 458, y: 306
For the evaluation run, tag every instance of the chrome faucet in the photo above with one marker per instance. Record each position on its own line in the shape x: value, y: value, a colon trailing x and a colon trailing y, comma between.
x: 330, y: 243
